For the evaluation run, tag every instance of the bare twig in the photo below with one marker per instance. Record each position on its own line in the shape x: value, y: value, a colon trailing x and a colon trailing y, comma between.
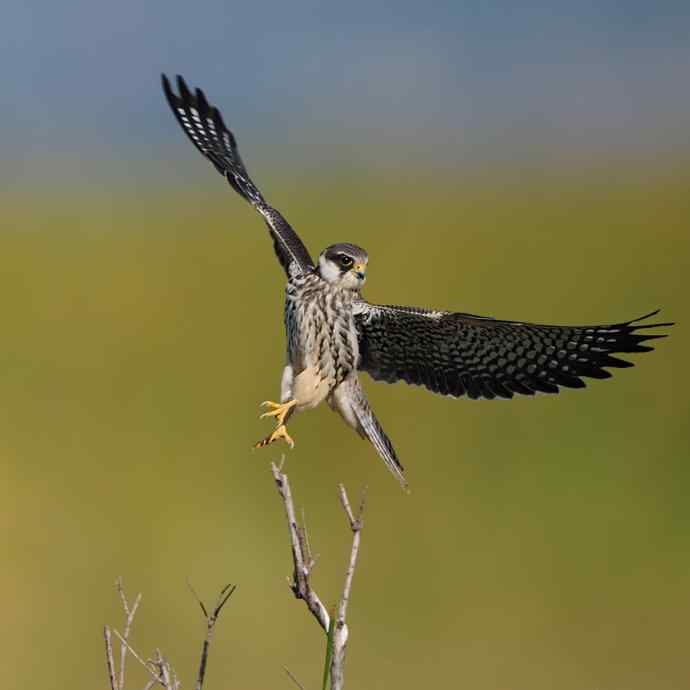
x: 146, y: 664
x: 312, y: 558
x: 292, y: 678
x: 304, y: 562
x: 164, y: 670
x: 130, y: 612
x: 211, y: 619
x: 341, y: 632
x: 159, y: 668
x: 109, y: 658
x: 198, y: 599
x: 301, y: 555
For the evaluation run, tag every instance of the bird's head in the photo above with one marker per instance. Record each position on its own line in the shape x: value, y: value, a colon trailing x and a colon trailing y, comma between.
x: 344, y: 265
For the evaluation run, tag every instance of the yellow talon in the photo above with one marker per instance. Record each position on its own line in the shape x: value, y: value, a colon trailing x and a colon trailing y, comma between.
x: 278, y: 433
x: 278, y: 410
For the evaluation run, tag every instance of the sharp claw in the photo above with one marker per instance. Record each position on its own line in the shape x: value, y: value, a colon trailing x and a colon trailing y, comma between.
x: 278, y: 433
x: 278, y: 410
x: 271, y: 413
x: 274, y: 408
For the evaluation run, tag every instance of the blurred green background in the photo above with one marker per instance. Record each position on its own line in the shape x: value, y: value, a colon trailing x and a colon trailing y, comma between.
x: 526, y: 163
x: 545, y: 541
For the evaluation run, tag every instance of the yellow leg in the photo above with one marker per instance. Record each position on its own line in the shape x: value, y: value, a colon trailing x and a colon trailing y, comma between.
x: 278, y: 410
x: 278, y: 433
x: 281, y: 411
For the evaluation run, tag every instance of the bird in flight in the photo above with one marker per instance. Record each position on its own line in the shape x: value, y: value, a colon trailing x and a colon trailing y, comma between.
x: 333, y: 333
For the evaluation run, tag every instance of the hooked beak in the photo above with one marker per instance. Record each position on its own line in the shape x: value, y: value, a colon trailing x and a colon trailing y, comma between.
x: 360, y: 271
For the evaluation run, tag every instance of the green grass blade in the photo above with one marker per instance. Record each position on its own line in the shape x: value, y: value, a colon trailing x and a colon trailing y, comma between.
x: 329, y: 652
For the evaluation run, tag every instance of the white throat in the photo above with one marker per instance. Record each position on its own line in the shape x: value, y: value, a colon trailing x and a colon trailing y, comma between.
x: 328, y: 270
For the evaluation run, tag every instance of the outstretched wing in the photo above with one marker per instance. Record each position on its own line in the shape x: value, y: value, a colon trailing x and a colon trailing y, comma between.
x: 204, y: 125
x: 461, y: 354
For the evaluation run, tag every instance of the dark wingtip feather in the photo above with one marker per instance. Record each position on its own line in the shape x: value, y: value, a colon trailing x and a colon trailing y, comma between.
x: 648, y: 325
x: 501, y: 391
x: 653, y: 325
x: 518, y: 387
x: 202, y: 103
x: 646, y: 316
x: 167, y: 90
x: 609, y: 361
x: 220, y: 126
x: 544, y: 386
x: 594, y: 371
x: 568, y: 381
x: 183, y: 89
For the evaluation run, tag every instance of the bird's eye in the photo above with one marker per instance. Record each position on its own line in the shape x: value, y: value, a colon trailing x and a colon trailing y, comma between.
x: 346, y: 261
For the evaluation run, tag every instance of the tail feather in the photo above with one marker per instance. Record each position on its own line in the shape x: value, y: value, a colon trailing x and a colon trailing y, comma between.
x: 371, y: 428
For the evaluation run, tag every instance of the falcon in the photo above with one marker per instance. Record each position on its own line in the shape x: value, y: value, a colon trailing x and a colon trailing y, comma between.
x: 333, y: 333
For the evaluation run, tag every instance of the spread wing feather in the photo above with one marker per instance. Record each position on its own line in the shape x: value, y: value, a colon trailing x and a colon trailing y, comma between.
x: 204, y: 126
x: 461, y: 354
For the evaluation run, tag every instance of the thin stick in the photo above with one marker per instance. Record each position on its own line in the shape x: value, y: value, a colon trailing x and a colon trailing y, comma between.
x: 356, y: 527
x: 109, y: 658
x: 211, y: 620
x: 164, y: 668
x: 129, y: 613
x: 302, y: 562
x: 145, y: 664
x: 161, y: 671
x: 341, y: 632
x: 292, y: 678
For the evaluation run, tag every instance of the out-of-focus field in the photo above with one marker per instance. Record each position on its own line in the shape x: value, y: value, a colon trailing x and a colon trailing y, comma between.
x: 546, y: 542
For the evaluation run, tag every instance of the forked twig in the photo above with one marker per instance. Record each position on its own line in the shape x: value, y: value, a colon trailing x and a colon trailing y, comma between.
x: 211, y: 619
x: 167, y: 677
x: 146, y: 664
x: 109, y: 658
x: 341, y: 632
x: 159, y: 668
x: 303, y: 563
x: 130, y: 612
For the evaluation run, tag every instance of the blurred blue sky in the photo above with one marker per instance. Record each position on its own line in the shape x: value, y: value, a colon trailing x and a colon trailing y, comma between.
x: 446, y: 80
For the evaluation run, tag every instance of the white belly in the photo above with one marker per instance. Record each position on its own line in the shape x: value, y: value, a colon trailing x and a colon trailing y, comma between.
x: 309, y: 388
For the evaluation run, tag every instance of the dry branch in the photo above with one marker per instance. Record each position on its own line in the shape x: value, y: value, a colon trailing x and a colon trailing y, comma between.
x: 110, y: 663
x: 303, y: 563
x: 159, y: 668
x: 211, y: 620
x: 130, y: 612
x: 292, y: 678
